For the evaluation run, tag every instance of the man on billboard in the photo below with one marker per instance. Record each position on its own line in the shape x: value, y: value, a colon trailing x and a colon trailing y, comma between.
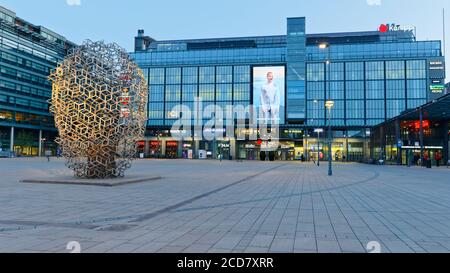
x: 270, y: 99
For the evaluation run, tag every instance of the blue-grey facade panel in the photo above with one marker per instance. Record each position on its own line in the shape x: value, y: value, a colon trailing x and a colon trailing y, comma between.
x: 371, y: 76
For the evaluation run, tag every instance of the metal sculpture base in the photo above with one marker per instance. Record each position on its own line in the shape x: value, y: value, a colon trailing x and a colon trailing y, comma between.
x: 111, y: 182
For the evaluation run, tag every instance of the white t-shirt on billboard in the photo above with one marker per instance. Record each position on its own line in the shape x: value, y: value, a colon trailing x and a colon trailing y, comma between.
x: 270, y: 98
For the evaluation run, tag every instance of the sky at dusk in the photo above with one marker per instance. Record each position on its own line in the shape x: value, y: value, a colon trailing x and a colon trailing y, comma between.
x: 118, y: 21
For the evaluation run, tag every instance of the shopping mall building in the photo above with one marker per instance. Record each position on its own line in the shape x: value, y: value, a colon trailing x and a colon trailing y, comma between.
x: 370, y: 76
x: 27, y: 55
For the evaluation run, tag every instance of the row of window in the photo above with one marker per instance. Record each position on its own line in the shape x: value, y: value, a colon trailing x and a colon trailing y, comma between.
x: 26, y: 118
x: 25, y: 90
x: 23, y: 76
x: 374, y: 70
x: 23, y: 103
x: 394, y: 89
x: 160, y: 113
x: 16, y: 60
x: 376, y: 50
x: 194, y: 75
x: 208, y: 92
x: 243, y: 53
x: 358, y: 110
x: 15, y: 42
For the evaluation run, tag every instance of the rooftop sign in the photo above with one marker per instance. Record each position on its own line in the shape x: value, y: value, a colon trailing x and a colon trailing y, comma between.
x: 384, y: 28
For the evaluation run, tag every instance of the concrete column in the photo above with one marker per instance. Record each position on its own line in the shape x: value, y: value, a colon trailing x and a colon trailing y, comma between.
x: 163, y: 147
x: 11, y: 142
x: 180, y: 148
x: 214, y: 149
x: 40, y: 143
x: 146, y: 148
x: 193, y: 148
x: 197, y: 149
x: 233, y: 148
x: 346, y: 146
x: 446, y: 142
x: 305, y: 149
x: 383, y: 143
x: 398, y: 137
x: 421, y: 136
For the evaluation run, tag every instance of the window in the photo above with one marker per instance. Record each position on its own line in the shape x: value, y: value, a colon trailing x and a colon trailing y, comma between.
x: 207, y: 74
x: 394, y: 107
x: 354, y: 71
x: 189, y: 92
x: 156, y: 93
x: 224, y: 74
x: 417, y: 89
x: 416, y: 69
x: 242, y: 92
x: 156, y: 76
x: 173, y: 93
x: 336, y: 72
x: 355, y: 109
x: 224, y: 92
x: 355, y: 89
x: 190, y: 75
x: 173, y: 75
x: 375, y: 89
x: 395, y: 89
x: 395, y: 70
x: 206, y: 92
x: 375, y: 109
x: 374, y: 70
x: 315, y: 72
x: 241, y: 74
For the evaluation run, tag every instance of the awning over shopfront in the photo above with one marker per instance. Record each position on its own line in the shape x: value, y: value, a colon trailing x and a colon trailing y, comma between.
x: 438, y: 109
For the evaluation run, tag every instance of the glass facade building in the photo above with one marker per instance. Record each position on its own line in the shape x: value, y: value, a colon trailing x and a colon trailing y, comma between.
x: 371, y: 77
x: 415, y: 136
x: 27, y: 55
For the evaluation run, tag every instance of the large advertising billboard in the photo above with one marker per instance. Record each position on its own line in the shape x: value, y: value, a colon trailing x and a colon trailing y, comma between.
x: 269, y: 93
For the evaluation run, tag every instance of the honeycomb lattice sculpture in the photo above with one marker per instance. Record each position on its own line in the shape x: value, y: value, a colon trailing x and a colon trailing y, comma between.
x: 99, y: 101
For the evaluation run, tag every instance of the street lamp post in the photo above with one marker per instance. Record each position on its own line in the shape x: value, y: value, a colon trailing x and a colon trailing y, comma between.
x: 318, y: 148
x: 316, y: 102
x: 318, y: 131
x: 329, y: 105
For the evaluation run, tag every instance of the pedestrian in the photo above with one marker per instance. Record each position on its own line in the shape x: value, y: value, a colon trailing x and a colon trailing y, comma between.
x: 438, y: 159
x: 48, y: 154
x: 425, y: 160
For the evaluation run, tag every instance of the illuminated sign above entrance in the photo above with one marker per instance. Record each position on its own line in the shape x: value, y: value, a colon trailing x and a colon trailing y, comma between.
x: 384, y: 28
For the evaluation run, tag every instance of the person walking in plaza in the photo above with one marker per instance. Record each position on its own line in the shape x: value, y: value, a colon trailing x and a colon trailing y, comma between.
x: 48, y: 154
x: 438, y: 158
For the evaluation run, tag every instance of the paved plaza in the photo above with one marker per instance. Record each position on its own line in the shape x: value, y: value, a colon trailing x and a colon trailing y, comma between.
x: 209, y: 206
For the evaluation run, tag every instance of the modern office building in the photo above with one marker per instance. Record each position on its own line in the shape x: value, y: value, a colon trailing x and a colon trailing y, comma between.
x: 370, y: 76
x: 27, y: 55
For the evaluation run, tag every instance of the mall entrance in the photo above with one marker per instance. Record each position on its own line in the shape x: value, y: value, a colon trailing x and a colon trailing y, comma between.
x: 413, y: 156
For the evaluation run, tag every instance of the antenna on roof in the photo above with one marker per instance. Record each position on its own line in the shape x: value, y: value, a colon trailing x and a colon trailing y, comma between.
x: 443, y: 29
x: 443, y: 36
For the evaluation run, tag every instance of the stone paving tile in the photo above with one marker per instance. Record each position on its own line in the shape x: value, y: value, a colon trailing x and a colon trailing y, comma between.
x: 274, y: 207
x: 328, y: 246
